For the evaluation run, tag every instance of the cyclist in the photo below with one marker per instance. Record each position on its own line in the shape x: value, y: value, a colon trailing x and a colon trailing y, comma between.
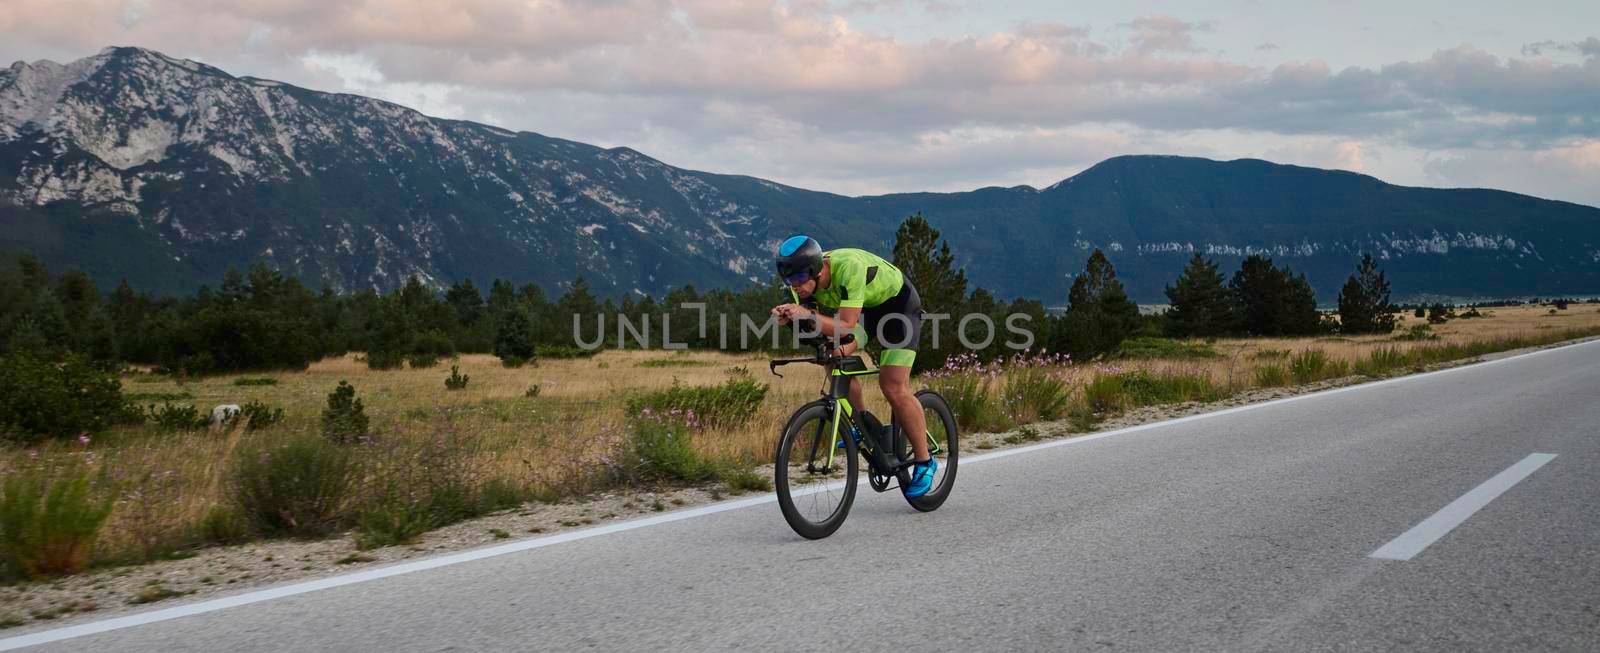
x: 864, y: 290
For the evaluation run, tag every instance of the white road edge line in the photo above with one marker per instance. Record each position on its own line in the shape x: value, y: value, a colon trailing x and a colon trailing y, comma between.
x: 292, y: 589
x: 1428, y: 531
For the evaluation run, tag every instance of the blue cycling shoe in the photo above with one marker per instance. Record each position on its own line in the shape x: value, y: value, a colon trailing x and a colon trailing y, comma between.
x: 922, y: 478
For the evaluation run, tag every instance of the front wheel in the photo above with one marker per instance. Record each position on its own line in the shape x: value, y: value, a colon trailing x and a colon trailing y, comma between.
x: 944, y: 445
x: 815, y: 479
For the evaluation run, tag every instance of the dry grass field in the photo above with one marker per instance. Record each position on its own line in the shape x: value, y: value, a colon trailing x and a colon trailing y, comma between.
x: 562, y: 440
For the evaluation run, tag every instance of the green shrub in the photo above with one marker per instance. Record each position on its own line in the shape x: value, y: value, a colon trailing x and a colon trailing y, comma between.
x: 1081, y: 417
x: 1114, y: 393
x: 567, y: 352
x: 424, y: 360
x: 1023, y: 435
x: 532, y: 391
x: 743, y: 479
x: 49, y: 521
x: 40, y: 399
x: 151, y: 397
x: 456, y: 380
x: 500, y: 494
x: 247, y: 381
x: 1417, y: 332
x: 169, y: 417
x: 1033, y: 393
x: 1147, y: 347
x: 298, y: 485
x: 1308, y: 366
x: 1380, y: 362
x: 344, y: 421
x: 260, y: 415
x: 427, y: 485
x: 1272, y: 376
x: 395, y: 516
x: 971, y: 400
x: 730, y: 404
x: 385, y: 360
x: 659, y: 449
x: 673, y: 362
x: 433, y: 343
x: 222, y: 524
x: 512, y: 362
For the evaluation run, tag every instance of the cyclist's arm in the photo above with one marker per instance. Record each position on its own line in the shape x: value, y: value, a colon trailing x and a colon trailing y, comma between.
x: 841, y: 323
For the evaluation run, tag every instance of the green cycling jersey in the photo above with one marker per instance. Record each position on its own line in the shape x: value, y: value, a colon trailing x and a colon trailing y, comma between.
x: 859, y: 279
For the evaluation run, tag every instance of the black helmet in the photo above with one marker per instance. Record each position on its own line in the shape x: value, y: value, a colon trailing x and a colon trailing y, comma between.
x: 799, y: 255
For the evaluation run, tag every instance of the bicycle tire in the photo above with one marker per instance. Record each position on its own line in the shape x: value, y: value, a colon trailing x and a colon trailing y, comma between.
x: 935, y: 404
x: 798, y: 437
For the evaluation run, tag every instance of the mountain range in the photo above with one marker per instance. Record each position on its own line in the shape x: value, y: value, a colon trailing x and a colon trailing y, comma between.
x: 164, y: 171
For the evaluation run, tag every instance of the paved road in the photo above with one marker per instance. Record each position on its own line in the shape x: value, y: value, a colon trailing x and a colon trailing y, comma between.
x: 1245, y: 531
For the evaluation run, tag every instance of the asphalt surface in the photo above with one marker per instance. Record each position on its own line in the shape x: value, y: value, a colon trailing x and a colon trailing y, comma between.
x: 1245, y: 531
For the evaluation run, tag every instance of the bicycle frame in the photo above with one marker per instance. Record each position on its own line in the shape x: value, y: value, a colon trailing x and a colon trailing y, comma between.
x: 837, y: 395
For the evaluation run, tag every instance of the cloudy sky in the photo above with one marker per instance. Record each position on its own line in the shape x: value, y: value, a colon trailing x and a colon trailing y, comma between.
x: 874, y: 96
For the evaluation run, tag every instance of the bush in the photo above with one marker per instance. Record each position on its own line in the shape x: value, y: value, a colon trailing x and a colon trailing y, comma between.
x: 1417, y: 332
x: 422, y: 360
x: 511, y: 362
x: 433, y: 343
x: 1272, y: 376
x: 673, y: 362
x: 169, y: 417
x: 567, y: 352
x: 299, y: 485
x: 151, y: 397
x: 246, y: 381
x: 532, y: 391
x: 971, y: 401
x: 730, y: 404
x: 1380, y: 362
x: 49, y: 523
x: 385, y: 360
x: 394, y: 516
x: 457, y: 380
x: 223, y: 525
x: 1033, y: 393
x: 1141, y: 348
x: 40, y: 399
x: 659, y: 449
x: 344, y: 421
x: 1114, y: 393
x: 1310, y: 366
x: 743, y: 479
x: 514, y: 336
x: 260, y: 415
x: 427, y: 485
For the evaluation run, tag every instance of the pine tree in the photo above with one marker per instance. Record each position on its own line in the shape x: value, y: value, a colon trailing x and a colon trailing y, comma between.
x: 1099, y: 313
x: 1201, y: 304
x: 1364, y: 301
x: 931, y: 269
x: 1274, y: 301
x: 513, y: 343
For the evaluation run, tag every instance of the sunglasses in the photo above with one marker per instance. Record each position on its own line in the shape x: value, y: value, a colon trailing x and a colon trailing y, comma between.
x: 798, y: 277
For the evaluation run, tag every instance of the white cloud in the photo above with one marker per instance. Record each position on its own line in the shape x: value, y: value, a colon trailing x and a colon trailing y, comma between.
x: 797, y: 91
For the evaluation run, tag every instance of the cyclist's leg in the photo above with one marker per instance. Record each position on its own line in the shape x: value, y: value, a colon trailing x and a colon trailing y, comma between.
x: 898, y: 325
x: 895, y: 380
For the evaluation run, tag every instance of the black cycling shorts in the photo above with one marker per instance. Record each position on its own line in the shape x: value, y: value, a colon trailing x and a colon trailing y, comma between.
x: 897, y: 323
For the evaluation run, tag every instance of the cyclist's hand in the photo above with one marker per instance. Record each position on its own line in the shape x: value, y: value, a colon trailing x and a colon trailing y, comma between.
x: 787, y: 312
x: 846, y: 349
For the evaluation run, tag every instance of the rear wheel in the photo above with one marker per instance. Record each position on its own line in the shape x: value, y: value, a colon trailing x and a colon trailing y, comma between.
x: 816, y: 481
x: 944, y: 446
